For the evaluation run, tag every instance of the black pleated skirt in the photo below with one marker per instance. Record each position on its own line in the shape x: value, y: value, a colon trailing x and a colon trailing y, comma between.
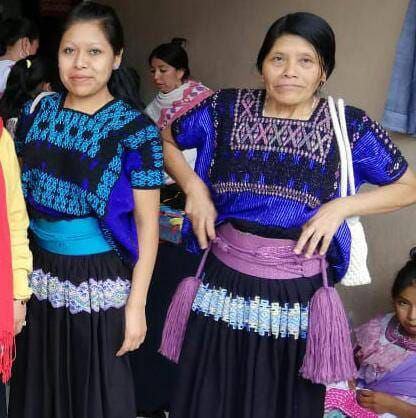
x: 155, y: 377
x: 243, y: 349
x: 3, y: 412
x: 66, y: 365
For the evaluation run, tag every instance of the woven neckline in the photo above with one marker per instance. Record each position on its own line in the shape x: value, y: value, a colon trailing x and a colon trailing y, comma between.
x: 395, y: 335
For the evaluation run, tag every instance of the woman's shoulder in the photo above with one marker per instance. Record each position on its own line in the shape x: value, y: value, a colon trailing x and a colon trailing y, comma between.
x: 131, y: 114
x: 372, y: 329
x: 43, y: 101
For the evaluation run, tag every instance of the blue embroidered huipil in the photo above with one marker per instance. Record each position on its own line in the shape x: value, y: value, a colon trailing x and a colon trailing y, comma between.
x: 77, y: 165
x: 276, y: 173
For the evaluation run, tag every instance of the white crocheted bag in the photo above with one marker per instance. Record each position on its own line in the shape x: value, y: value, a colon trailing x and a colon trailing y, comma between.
x: 357, y: 272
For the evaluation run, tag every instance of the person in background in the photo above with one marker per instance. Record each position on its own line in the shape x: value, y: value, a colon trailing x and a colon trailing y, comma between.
x: 28, y: 78
x: 178, y: 93
x: 19, y: 37
x: 386, y: 354
x: 92, y: 169
x: 15, y: 259
x: 265, y: 198
x: 155, y: 376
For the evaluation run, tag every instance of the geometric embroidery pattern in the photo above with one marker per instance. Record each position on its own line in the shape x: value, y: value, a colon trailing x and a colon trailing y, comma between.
x: 90, y: 296
x: 290, y: 159
x: 252, y: 314
x: 310, y: 138
x: 269, y: 189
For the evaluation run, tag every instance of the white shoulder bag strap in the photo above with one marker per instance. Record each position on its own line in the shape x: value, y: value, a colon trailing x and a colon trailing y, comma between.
x: 357, y: 272
x: 341, y: 148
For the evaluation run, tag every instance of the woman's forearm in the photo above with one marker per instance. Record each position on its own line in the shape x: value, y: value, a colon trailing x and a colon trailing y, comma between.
x: 147, y: 223
x: 199, y: 207
x: 176, y: 164
x: 403, y: 409
x: 383, y: 199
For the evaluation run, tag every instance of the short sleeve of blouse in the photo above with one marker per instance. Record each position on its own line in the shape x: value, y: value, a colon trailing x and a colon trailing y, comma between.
x: 376, y: 158
x: 195, y: 126
x: 143, y: 155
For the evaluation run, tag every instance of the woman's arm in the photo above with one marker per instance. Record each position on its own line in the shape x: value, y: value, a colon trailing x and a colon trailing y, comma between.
x: 18, y: 224
x: 199, y: 207
x: 323, y: 226
x: 147, y: 224
x: 382, y: 403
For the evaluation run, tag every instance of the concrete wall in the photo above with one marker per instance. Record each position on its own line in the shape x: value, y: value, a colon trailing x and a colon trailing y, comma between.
x: 224, y: 37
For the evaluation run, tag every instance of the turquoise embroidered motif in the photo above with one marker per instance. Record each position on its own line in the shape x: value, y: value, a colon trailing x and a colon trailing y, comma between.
x: 90, y: 296
x: 253, y: 314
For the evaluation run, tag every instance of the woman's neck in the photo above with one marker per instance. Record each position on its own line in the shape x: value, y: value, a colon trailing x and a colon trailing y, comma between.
x: 11, y: 54
x: 88, y: 104
x: 301, y: 111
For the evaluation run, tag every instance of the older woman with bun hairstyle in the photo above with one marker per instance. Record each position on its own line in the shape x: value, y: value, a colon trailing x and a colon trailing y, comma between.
x: 265, y: 199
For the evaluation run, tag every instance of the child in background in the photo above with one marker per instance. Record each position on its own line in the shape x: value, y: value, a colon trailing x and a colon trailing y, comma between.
x: 27, y: 79
x: 386, y: 354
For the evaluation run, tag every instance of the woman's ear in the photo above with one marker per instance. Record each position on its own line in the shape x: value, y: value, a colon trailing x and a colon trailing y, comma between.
x: 179, y: 75
x: 117, y: 60
x: 25, y: 46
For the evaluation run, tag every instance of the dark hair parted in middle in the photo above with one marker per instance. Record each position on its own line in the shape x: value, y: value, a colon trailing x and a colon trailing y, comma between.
x: 406, y: 277
x: 124, y: 82
x: 173, y: 54
x: 308, y: 26
x: 105, y: 15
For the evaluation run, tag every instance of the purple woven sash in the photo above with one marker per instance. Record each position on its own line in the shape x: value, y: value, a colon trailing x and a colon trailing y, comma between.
x: 267, y: 258
x: 329, y: 356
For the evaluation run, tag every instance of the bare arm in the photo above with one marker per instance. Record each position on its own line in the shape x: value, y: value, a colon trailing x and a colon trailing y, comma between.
x: 147, y: 223
x: 381, y: 403
x: 325, y: 223
x: 199, y: 207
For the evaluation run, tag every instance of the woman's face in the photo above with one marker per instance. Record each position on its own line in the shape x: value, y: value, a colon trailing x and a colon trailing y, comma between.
x: 291, y: 71
x: 165, y: 77
x: 405, y: 307
x: 86, y: 59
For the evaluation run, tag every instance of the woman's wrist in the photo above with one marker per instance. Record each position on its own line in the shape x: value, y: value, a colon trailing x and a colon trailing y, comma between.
x: 22, y: 301
x: 194, y: 184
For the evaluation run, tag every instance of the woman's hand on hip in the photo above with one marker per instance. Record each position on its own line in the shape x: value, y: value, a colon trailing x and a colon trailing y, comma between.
x: 320, y: 229
x: 201, y: 211
x: 135, y: 329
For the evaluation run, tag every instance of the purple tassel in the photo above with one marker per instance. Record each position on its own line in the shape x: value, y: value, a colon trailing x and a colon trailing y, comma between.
x: 177, y: 318
x: 329, y: 356
x: 178, y: 313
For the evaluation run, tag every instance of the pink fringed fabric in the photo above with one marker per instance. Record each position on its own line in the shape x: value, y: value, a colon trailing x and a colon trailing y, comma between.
x: 346, y: 402
x: 6, y: 285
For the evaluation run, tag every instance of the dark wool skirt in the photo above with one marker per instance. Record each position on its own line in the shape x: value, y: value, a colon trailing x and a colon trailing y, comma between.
x: 154, y: 375
x: 243, y: 349
x: 66, y: 365
x: 3, y: 412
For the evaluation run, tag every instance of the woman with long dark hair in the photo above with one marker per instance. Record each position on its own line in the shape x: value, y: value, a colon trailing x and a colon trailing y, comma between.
x: 92, y: 168
x: 266, y: 329
x: 27, y: 79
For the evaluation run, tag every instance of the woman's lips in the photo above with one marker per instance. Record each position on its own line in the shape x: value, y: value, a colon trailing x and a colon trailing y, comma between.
x: 79, y: 78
